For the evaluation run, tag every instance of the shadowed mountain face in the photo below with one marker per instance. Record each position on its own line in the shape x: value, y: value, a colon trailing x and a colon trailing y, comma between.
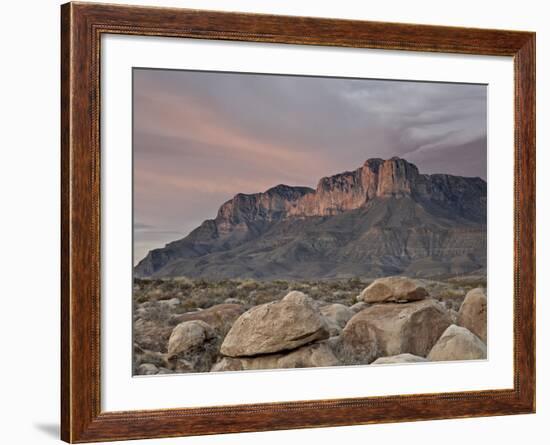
x: 384, y: 218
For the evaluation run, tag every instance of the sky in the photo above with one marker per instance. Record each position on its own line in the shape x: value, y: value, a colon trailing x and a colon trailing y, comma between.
x: 199, y: 138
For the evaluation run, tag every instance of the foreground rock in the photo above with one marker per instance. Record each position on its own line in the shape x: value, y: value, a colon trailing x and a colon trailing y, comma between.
x: 146, y: 357
x: 473, y: 313
x: 274, y: 327
x: 192, y: 346
x: 393, y: 289
x: 315, y: 355
x: 171, y: 303
x: 392, y: 329
x: 358, y: 307
x: 147, y: 369
x: 151, y: 335
x: 220, y: 316
x: 401, y: 358
x: 458, y: 343
x: 336, y: 316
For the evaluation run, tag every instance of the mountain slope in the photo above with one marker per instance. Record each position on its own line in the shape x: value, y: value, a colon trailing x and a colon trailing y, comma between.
x: 383, y: 218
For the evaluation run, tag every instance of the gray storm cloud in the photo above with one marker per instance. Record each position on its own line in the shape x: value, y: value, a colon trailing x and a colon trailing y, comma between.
x: 202, y: 137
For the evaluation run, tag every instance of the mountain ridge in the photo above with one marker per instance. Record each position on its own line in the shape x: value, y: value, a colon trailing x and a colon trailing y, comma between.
x: 387, y: 202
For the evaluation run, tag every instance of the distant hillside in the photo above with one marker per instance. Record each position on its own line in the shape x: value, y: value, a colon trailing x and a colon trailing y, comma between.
x: 384, y: 218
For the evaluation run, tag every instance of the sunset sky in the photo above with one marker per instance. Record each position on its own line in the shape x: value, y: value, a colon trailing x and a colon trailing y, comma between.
x: 202, y: 137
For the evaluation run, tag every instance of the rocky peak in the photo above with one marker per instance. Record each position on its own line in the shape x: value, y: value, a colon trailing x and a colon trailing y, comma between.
x: 396, y: 177
x: 288, y: 192
x: 267, y: 206
x: 376, y: 178
x: 373, y: 164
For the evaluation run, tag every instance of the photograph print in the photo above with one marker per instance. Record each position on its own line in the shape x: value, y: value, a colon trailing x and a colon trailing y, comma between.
x: 285, y: 221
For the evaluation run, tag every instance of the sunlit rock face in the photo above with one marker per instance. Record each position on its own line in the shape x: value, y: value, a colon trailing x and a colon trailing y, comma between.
x: 377, y: 178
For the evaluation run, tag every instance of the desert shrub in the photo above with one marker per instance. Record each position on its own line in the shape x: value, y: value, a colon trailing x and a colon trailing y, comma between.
x: 355, y: 283
x: 140, y: 298
x: 183, y: 283
x: 157, y: 313
x: 218, y: 295
x: 168, y: 286
x: 187, y: 305
x: 334, y: 285
x: 201, y: 283
x: 239, y: 293
x: 249, y: 285
x: 470, y: 281
x: 302, y: 287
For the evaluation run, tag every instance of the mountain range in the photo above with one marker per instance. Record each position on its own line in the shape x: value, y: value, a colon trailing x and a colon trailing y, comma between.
x: 384, y: 218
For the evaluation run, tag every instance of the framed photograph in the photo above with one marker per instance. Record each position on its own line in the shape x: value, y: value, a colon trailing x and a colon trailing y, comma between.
x: 274, y: 222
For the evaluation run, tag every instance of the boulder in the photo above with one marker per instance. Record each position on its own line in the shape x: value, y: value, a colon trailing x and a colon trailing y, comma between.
x: 392, y: 329
x: 231, y: 300
x: 268, y: 361
x: 297, y: 297
x: 144, y: 356
x: 337, y: 312
x: 189, y: 335
x: 274, y: 327
x: 192, y: 346
x: 458, y: 343
x: 314, y: 355
x: 300, y: 297
x: 199, y: 363
x: 394, y: 289
x: 147, y: 369
x: 151, y: 335
x: 401, y: 358
x: 336, y: 316
x: 171, y: 303
x: 334, y: 330
x: 357, y: 307
x: 220, y: 316
x: 473, y: 313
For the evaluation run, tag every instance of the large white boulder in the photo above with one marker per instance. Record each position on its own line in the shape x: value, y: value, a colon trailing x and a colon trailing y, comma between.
x: 275, y: 327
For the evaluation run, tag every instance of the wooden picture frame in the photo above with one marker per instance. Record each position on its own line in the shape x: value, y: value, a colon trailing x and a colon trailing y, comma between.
x: 82, y: 25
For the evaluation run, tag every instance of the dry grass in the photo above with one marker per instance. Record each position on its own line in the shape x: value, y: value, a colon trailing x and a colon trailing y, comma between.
x: 201, y: 294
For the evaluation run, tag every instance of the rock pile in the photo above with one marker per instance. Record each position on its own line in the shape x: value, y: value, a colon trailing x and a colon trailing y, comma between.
x: 396, y: 320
